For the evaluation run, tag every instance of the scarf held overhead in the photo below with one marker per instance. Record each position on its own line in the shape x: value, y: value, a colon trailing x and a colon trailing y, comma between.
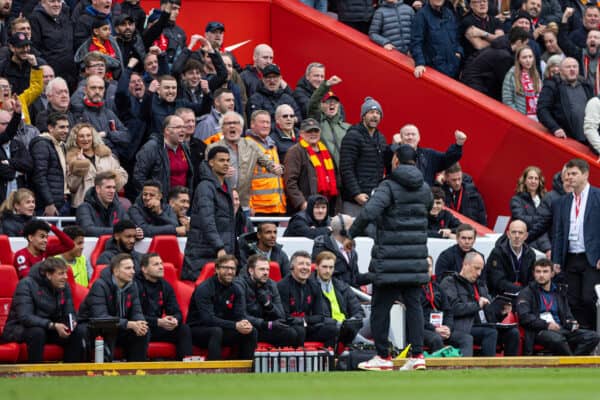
x: 326, y: 183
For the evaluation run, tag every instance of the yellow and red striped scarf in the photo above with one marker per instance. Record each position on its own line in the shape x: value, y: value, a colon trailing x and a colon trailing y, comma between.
x: 326, y: 183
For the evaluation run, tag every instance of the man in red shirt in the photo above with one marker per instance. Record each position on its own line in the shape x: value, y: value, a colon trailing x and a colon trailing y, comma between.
x: 38, y: 249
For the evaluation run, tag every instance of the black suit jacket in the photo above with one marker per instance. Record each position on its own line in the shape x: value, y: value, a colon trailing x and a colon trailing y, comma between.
x: 591, y: 218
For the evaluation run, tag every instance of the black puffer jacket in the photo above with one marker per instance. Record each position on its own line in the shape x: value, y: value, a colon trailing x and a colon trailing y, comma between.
x: 157, y: 299
x: 264, y: 99
x: 36, y: 303
x: 256, y: 297
x: 399, y: 208
x: 391, y: 25
x: 302, y: 94
x: 105, y: 299
x: 355, y: 10
x: 12, y: 224
x: 523, y: 208
x: 503, y: 270
x: 343, y: 270
x: 112, y: 248
x: 212, y: 225
x: 151, y: 223
x: 304, y: 224
x: 248, y: 246
x: 94, y: 218
x: 362, y: 161
x: 48, y: 177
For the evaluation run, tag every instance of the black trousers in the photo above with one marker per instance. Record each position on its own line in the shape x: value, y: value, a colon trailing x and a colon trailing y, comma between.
x: 458, y: 339
x: 214, y: 338
x: 568, y: 343
x: 381, y: 303
x: 180, y: 336
x: 36, y: 338
x: 489, y: 337
x: 348, y: 332
x: 581, y: 279
x: 280, y: 337
x: 326, y: 332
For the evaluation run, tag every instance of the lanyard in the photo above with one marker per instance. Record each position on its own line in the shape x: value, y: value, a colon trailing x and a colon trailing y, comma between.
x: 456, y: 206
x: 477, y: 297
x: 430, y: 296
x: 546, y: 305
x: 577, y: 205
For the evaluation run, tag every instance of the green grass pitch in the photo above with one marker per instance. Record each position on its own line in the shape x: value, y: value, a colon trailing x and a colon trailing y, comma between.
x: 488, y: 384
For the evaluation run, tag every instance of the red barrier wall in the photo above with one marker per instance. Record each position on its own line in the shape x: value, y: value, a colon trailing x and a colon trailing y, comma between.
x: 501, y: 142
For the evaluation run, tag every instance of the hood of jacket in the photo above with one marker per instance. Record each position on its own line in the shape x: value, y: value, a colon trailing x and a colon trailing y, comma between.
x: 408, y: 176
x: 557, y: 184
x: 310, y: 206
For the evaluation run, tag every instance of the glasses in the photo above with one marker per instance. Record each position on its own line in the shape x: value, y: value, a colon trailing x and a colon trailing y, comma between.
x: 176, y: 127
x: 231, y: 123
x: 4, y: 87
x: 288, y: 116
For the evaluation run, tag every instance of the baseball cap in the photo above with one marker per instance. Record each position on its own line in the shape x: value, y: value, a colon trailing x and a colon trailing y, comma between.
x: 214, y: 26
x: 310, y: 124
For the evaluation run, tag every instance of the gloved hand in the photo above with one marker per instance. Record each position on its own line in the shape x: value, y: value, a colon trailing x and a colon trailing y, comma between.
x: 353, y: 324
x: 264, y: 299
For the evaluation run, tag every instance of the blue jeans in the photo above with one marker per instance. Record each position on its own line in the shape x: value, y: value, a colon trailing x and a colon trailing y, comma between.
x: 319, y: 5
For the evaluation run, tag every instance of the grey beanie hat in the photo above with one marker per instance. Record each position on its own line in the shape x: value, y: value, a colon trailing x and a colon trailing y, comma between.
x: 370, y: 104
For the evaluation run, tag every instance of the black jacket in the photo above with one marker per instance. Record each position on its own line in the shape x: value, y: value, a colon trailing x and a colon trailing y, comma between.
x: 303, y: 223
x: 362, y: 161
x: 151, y: 223
x: 441, y: 303
x: 53, y: 37
x: 251, y: 79
x: 470, y: 203
x: 347, y: 300
x: 260, y: 303
x: 344, y: 271
x: 12, y: 224
x: 523, y: 208
x: 94, y: 218
x: 430, y: 161
x: 17, y: 75
x: 528, y: 308
x: 105, y: 299
x: 154, y: 110
x: 554, y: 109
x: 48, y: 177
x: 36, y: 303
x: 264, y: 99
x: 301, y: 302
x: 212, y: 226
x: 355, y: 10
x: 248, y: 247
x: 19, y: 160
x: 214, y: 304
x: 444, y: 220
x: 41, y: 120
x: 450, y: 260
x: 399, y: 208
x: 504, y: 271
x: 152, y: 162
x: 157, y: 299
x: 302, y: 94
x: 283, y: 142
x: 112, y: 248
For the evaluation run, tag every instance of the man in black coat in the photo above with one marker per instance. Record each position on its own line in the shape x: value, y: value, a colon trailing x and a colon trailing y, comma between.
x: 315, y: 75
x: 451, y: 259
x: 442, y: 223
x: 264, y: 242
x: 162, y: 155
x: 152, y: 215
x: 269, y: 95
x: 303, y: 303
x: 510, y: 264
x: 212, y: 228
x: 362, y: 158
x: 49, y: 167
x: 262, y: 56
x: 160, y: 307
x: 399, y: 208
x: 462, y: 195
x: 262, y: 304
x: 545, y: 314
x: 340, y: 302
x: 217, y: 315
x: 115, y: 294
x: 122, y: 242
x: 18, y: 159
x: 101, y: 208
x: 42, y: 312
x: 561, y: 105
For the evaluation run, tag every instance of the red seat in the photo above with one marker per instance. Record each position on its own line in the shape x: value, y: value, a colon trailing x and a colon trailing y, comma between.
x: 98, y: 249
x: 183, y: 292
x: 6, y: 254
x: 207, y: 271
x: 274, y: 271
x: 9, y: 352
x: 97, y: 270
x: 167, y: 246
x: 162, y: 350
x: 170, y: 274
x: 78, y: 292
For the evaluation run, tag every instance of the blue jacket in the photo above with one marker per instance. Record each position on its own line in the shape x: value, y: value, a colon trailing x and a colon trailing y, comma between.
x: 435, y: 40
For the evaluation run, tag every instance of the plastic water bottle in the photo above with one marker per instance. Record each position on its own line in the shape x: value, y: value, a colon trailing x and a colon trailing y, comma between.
x: 99, y: 350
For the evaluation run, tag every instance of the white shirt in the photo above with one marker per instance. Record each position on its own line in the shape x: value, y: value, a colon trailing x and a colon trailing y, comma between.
x: 576, y: 238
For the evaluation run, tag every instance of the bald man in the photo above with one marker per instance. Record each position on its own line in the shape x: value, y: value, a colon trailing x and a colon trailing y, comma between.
x: 251, y: 75
x: 510, y: 264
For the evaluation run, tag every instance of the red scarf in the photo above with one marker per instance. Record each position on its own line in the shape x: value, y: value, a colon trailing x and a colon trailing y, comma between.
x: 104, y: 48
x: 91, y: 104
x: 326, y: 183
x: 586, y: 67
x: 531, y: 97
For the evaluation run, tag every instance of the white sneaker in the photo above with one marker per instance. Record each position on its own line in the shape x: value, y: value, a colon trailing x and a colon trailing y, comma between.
x: 377, y: 364
x: 414, y: 364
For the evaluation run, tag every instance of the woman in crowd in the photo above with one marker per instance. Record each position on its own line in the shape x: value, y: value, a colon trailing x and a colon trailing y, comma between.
x: 522, y: 84
x: 16, y: 211
x: 87, y: 155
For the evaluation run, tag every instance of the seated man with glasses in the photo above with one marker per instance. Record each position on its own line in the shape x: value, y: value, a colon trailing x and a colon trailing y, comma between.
x: 165, y: 159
